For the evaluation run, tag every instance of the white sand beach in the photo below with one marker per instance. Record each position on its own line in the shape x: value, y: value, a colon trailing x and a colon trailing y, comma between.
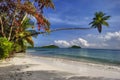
x: 46, y: 68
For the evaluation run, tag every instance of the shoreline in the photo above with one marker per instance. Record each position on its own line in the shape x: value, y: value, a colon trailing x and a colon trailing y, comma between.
x: 80, y: 59
x: 37, y: 67
x: 100, y: 60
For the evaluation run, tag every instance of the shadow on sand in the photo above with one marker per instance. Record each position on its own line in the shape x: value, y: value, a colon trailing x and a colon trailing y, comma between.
x: 15, y: 73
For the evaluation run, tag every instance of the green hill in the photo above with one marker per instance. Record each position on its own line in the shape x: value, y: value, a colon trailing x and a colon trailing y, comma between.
x: 74, y: 46
x: 50, y: 46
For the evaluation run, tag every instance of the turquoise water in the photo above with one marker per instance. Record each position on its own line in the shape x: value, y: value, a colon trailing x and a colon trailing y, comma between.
x: 98, y: 55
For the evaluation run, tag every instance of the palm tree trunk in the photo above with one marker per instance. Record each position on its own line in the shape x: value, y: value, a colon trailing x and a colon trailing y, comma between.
x: 59, y: 29
x: 24, y: 18
x: 99, y: 28
x: 2, y: 29
x: 11, y: 27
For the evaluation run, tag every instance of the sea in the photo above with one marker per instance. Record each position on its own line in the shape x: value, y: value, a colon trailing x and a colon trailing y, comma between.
x: 106, y: 56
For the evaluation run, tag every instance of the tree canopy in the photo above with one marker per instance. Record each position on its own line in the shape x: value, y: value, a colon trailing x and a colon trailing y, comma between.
x: 15, y: 21
x: 99, y: 20
x: 14, y: 12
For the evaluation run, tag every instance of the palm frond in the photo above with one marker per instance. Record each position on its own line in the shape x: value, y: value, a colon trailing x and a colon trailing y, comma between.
x: 27, y: 24
x: 105, y: 23
x: 29, y: 40
x: 91, y: 22
x: 32, y: 32
x: 106, y: 17
x: 99, y: 20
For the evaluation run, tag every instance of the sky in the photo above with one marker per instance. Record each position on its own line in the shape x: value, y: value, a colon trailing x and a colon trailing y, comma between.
x: 79, y: 13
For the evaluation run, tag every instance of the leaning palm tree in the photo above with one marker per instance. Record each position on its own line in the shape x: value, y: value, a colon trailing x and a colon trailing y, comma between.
x: 99, y: 20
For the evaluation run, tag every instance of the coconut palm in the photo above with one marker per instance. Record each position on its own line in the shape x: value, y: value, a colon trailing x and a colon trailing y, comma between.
x: 99, y: 20
x: 22, y: 31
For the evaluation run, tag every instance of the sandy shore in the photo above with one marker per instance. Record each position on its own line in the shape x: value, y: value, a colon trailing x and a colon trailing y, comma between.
x: 24, y: 67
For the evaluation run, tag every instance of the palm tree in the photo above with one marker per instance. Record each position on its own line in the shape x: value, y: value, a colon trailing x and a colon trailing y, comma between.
x: 99, y: 20
x: 24, y: 30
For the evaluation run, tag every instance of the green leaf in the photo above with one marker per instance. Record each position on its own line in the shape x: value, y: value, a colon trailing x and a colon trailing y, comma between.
x: 105, y: 23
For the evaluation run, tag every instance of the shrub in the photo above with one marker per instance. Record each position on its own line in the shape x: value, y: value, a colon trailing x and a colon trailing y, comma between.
x: 6, y: 47
x: 18, y: 48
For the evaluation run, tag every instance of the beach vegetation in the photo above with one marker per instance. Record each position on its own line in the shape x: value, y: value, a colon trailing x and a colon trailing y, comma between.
x: 15, y: 23
x: 21, y: 43
x: 6, y: 48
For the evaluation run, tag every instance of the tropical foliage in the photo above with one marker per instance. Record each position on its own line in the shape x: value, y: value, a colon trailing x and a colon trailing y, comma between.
x: 15, y: 22
x: 21, y: 42
x: 6, y: 48
x: 99, y: 20
x: 14, y: 12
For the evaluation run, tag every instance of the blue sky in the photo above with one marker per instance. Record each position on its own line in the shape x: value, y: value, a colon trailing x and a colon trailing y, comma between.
x: 79, y: 13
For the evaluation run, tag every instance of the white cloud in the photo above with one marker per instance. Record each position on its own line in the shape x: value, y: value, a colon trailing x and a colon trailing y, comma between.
x: 83, y: 42
x: 115, y: 35
x: 79, y: 42
x: 110, y: 40
x: 62, y: 43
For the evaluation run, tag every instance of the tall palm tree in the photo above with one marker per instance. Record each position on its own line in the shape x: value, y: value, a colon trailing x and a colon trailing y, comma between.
x: 99, y: 20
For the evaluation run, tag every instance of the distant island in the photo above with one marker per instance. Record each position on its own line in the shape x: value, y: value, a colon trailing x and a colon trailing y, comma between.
x: 50, y: 46
x: 74, y: 46
x: 54, y: 46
